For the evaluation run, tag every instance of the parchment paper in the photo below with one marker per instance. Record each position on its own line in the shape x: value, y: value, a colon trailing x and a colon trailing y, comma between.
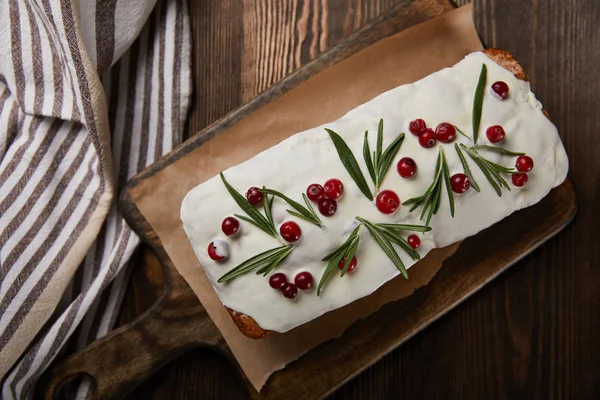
x: 403, y: 58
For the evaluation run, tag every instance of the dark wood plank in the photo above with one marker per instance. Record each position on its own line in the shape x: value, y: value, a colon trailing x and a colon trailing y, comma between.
x: 531, y: 332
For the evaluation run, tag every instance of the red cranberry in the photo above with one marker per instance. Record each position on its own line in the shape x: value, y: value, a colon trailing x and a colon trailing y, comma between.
x: 501, y: 89
x: 460, y: 183
x: 352, y: 267
x: 427, y: 138
x: 445, y: 132
x: 387, y: 202
x: 495, y: 133
x: 327, y: 207
x: 524, y: 164
x: 290, y: 231
x: 304, y: 280
x: 414, y: 241
x: 334, y: 189
x: 519, y: 180
x: 289, y: 290
x: 218, y: 250
x: 315, y: 192
x: 417, y: 126
x: 254, y: 196
x: 406, y: 167
x: 276, y: 281
x: 230, y: 226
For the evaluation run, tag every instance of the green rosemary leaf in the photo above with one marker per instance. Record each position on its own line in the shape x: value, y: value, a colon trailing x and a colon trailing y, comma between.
x: 466, y: 168
x: 267, y: 205
x: 461, y: 132
x: 251, y: 221
x: 478, y: 102
x: 259, y: 220
x: 368, y: 159
x: 386, y: 246
x: 278, y: 260
x: 343, y: 246
x: 496, y: 174
x: 429, y: 204
x: 252, y: 263
x: 388, y: 157
x: 350, y: 163
x: 499, y: 150
x: 295, y: 214
x: 336, y: 256
x: 379, y: 149
x: 497, y: 167
x: 308, y: 215
x: 413, y: 200
x: 436, y: 198
x: 405, y: 227
x: 348, y: 255
x: 400, y: 241
x: 448, y: 185
x: 268, y: 263
x: 309, y: 206
x: 331, y: 266
x: 487, y: 174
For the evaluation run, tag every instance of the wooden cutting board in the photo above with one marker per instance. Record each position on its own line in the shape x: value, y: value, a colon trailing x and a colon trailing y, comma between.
x: 177, y: 322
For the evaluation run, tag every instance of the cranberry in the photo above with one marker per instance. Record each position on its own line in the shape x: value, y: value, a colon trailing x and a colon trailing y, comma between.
x: 276, y: 281
x: 254, y: 196
x: 290, y: 231
x: 445, y: 132
x: 230, y: 226
x: 427, y: 138
x: 406, y: 167
x: 387, y: 202
x: 495, y: 133
x: 524, y: 164
x: 417, y: 126
x: 327, y: 207
x: 519, y: 180
x: 289, y: 290
x: 304, y: 280
x: 315, y: 192
x: 460, y: 183
x: 334, y: 189
x: 218, y: 250
x: 414, y: 241
x: 501, y: 89
x: 352, y: 267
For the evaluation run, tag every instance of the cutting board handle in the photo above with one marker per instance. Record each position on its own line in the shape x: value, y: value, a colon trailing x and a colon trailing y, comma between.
x: 122, y: 360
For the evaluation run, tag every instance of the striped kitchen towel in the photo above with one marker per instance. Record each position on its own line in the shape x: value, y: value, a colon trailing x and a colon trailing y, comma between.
x: 91, y: 92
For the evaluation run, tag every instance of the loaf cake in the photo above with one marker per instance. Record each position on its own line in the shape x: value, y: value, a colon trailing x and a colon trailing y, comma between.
x: 330, y: 214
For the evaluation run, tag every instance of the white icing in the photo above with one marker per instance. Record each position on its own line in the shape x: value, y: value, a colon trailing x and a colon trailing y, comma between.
x: 221, y: 248
x: 310, y: 157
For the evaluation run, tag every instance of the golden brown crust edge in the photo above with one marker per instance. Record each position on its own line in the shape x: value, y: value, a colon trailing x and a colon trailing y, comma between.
x: 247, y: 325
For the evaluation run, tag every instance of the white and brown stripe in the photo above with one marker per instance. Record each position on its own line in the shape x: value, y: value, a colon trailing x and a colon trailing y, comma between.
x: 57, y: 173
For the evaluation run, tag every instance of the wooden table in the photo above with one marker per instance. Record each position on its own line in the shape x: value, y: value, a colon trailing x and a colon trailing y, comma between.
x: 532, y: 333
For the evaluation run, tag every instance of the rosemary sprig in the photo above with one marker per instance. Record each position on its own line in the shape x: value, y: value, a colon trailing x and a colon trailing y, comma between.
x: 431, y: 199
x: 386, y: 238
x: 306, y: 213
x: 379, y: 165
x: 466, y: 168
x: 461, y: 132
x: 350, y: 163
x: 344, y: 251
x: 267, y: 261
x: 256, y: 218
x: 498, y: 150
x: 478, y: 102
x: 491, y: 170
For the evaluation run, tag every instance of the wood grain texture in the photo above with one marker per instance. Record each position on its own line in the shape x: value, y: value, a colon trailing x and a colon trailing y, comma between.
x: 533, y: 332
